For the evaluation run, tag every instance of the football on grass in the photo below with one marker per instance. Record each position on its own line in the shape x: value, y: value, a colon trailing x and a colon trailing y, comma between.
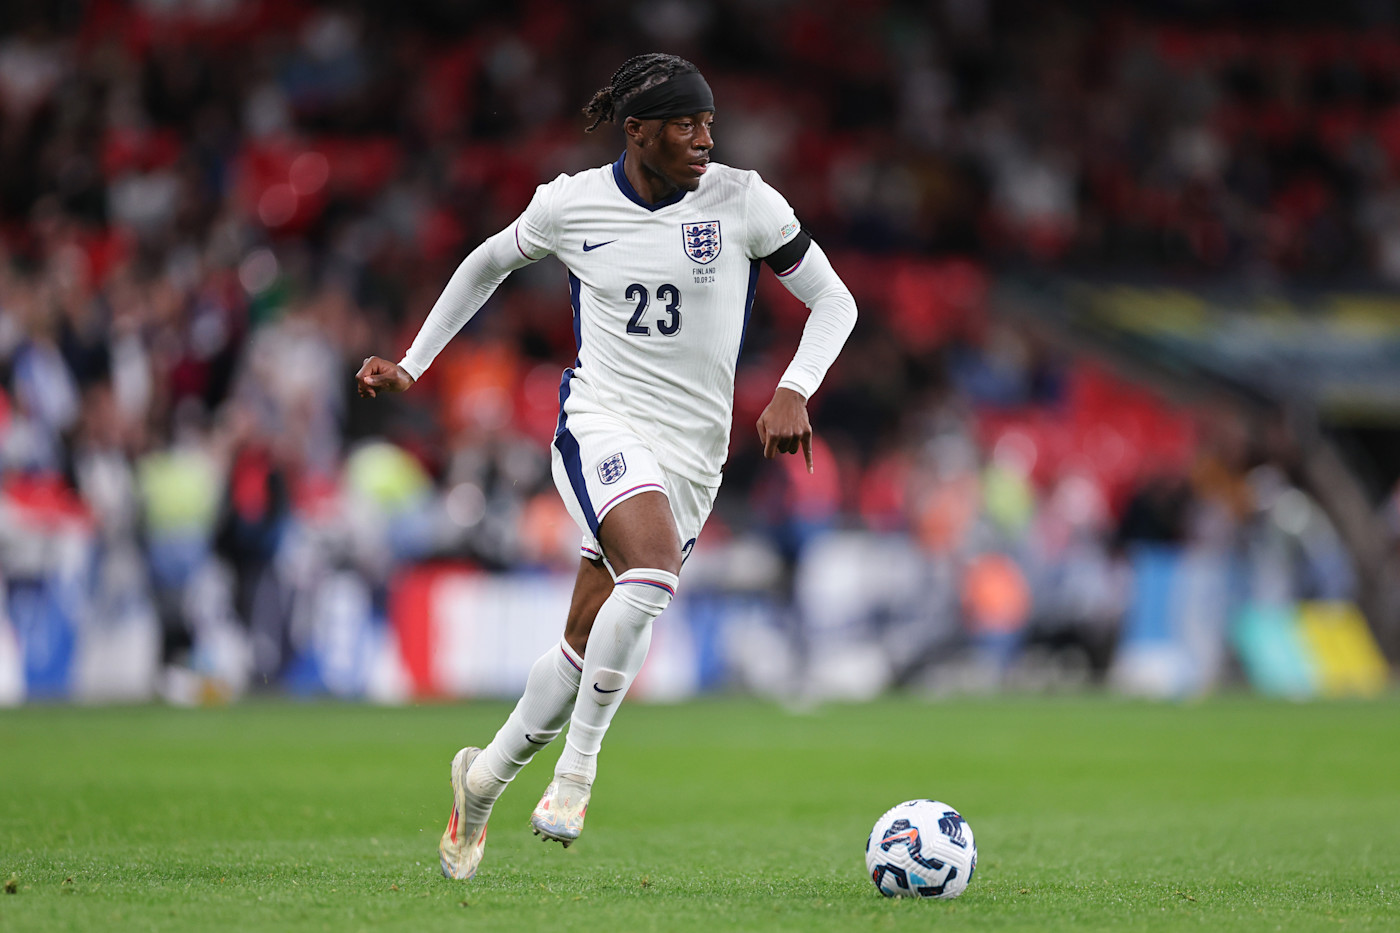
x: 921, y: 848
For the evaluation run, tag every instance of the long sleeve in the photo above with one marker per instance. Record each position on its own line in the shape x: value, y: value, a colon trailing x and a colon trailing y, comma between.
x: 475, y: 280
x: 528, y: 240
x: 833, y: 314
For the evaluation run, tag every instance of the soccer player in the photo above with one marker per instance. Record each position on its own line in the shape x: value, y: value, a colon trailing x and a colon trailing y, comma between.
x: 662, y: 249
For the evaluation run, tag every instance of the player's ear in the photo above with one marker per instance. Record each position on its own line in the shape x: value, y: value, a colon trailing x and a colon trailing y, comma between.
x: 634, y: 129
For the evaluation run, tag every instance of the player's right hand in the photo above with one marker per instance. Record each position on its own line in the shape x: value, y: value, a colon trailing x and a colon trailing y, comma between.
x: 378, y: 374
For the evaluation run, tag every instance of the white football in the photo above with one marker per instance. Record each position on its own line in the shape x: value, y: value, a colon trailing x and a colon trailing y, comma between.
x: 921, y: 848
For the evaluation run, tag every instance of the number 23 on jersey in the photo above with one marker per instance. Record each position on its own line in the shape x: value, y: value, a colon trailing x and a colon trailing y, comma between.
x: 667, y: 326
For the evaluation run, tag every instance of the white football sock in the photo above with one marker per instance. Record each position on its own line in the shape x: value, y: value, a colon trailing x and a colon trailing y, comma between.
x: 538, y: 717
x: 617, y: 646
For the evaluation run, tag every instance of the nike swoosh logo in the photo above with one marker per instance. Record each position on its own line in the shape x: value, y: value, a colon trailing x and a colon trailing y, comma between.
x: 534, y: 741
x: 601, y: 690
x: 589, y: 249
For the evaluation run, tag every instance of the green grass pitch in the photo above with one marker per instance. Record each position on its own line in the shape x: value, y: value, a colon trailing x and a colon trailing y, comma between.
x: 1090, y: 813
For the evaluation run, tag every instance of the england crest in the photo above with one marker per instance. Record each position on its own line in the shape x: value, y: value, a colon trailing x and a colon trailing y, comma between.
x: 701, y: 240
x: 611, y: 469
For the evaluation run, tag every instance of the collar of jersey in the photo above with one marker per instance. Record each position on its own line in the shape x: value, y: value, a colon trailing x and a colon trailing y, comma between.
x: 620, y: 176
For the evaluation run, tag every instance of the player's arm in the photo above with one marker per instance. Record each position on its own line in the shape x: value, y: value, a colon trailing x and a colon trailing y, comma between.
x: 475, y: 280
x: 806, y: 272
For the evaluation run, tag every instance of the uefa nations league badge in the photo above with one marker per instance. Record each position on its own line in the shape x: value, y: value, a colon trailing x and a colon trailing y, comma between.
x: 701, y: 240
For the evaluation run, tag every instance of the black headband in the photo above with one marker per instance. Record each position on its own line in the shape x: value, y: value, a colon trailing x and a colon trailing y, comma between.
x: 679, y: 96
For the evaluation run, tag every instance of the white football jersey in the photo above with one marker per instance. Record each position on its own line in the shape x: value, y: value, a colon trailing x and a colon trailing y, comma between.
x: 661, y: 299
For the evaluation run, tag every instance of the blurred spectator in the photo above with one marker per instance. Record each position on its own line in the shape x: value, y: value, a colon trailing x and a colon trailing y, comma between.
x: 210, y: 211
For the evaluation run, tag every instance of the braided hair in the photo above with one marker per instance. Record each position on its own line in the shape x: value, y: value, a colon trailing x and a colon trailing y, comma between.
x: 636, y: 74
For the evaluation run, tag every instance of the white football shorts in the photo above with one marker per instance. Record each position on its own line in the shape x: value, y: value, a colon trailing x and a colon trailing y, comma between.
x: 599, y: 461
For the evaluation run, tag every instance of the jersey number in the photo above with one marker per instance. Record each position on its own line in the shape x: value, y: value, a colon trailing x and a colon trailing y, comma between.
x: 667, y: 293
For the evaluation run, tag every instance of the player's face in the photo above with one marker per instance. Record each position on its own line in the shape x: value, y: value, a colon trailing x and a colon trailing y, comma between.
x: 680, y: 152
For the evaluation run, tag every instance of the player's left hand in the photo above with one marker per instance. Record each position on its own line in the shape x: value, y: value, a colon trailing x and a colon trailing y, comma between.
x: 783, y: 427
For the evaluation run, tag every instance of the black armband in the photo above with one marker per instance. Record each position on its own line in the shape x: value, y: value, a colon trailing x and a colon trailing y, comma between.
x: 785, y: 257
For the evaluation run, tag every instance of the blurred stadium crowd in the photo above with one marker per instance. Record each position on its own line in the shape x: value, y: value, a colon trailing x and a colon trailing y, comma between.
x: 211, y: 211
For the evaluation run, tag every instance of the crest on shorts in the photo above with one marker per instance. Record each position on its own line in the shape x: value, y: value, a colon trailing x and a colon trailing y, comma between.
x: 701, y: 240
x: 611, y: 469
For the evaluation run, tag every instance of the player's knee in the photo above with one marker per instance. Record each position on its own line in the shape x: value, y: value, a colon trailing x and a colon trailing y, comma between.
x: 648, y: 588
x: 666, y: 559
x: 578, y: 639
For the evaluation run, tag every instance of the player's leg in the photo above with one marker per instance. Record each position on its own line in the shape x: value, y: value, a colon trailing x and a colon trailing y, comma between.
x: 641, y: 542
x: 640, y: 538
x: 549, y: 695
x: 479, y: 776
x: 593, y: 585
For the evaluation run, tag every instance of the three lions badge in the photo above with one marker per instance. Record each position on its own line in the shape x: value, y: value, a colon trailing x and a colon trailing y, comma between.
x: 611, y: 469
x: 701, y: 240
